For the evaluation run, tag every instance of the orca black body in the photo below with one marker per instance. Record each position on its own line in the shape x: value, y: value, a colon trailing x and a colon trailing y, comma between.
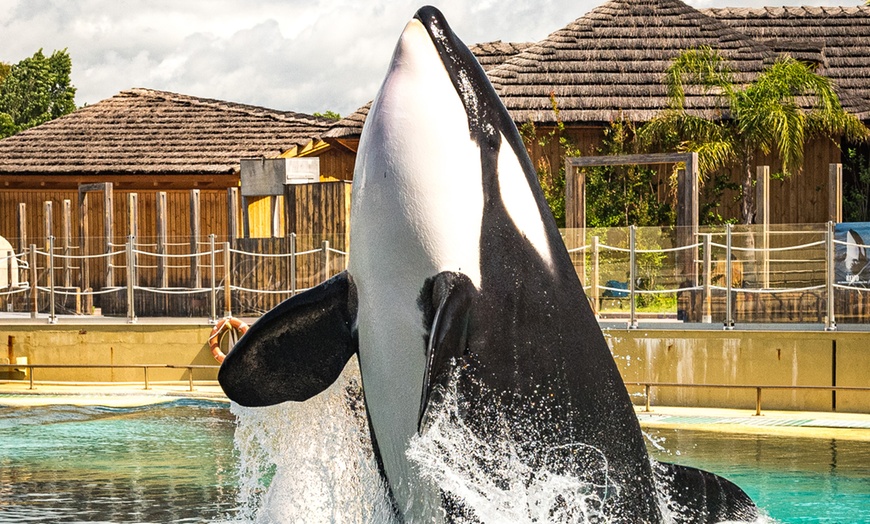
x: 457, y: 272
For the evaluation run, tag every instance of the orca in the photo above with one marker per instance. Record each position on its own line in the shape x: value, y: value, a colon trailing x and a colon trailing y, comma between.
x: 457, y: 274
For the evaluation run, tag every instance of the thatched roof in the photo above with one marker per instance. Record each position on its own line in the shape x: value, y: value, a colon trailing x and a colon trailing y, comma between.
x: 842, y: 34
x: 493, y: 54
x: 350, y: 125
x: 612, y: 61
x: 489, y: 54
x: 142, y: 131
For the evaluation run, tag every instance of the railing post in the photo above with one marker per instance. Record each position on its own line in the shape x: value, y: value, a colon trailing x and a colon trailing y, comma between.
x: 325, y: 256
x: 228, y: 289
x: 758, y: 401
x: 707, y: 317
x: 596, y: 290
x: 213, y: 293
x: 131, y: 281
x: 147, y: 386
x: 830, y: 275
x: 729, y: 317
x: 292, y: 264
x: 632, y: 275
x: 52, y: 317
x: 646, y: 388
x: 34, y: 284
x: 30, y: 373
x: 190, y: 377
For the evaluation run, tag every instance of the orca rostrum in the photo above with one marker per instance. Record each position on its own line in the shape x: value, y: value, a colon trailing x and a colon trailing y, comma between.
x: 458, y: 277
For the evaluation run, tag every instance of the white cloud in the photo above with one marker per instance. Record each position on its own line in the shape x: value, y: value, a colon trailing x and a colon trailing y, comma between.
x: 297, y: 55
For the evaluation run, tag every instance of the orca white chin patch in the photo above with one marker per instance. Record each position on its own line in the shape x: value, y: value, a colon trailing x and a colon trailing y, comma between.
x: 427, y: 183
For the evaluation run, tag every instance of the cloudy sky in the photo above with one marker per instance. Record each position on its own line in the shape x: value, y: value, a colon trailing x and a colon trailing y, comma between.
x: 311, y: 55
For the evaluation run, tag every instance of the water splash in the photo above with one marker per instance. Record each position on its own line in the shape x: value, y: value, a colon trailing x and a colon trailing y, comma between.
x: 312, y: 461
x: 486, y: 481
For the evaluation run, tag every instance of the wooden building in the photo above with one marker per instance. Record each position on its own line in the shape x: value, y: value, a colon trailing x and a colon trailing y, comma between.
x: 609, y: 64
x: 179, y: 155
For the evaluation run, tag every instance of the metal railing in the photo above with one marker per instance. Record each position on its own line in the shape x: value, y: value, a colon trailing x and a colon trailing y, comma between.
x: 22, y: 272
x: 758, y: 389
x: 144, y: 367
x: 646, y: 262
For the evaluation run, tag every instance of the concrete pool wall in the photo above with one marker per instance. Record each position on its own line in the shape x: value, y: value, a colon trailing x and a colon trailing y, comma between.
x: 752, y: 357
x: 664, y: 354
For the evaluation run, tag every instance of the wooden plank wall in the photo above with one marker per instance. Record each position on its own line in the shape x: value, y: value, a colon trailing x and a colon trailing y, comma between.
x: 213, y: 219
x: 800, y: 199
x: 319, y: 212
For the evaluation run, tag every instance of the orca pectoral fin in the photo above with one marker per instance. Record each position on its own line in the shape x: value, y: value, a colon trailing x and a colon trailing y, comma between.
x: 703, y: 497
x: 446, y: 299
x: 297, y: 349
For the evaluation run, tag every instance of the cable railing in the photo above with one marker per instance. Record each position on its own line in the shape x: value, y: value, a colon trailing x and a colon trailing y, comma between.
x: 720, y: 273
x: 33, y: 272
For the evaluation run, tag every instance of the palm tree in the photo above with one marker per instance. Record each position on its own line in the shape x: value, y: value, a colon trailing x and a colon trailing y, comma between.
x: 784, y: 106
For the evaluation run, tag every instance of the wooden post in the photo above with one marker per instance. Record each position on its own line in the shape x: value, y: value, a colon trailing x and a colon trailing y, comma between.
x: 48, y: 229
x: 707, y: 315
x: 34, y: 284
x: 575, y: 196
x: 596, y: 290
x: 66, y: 242
x: 228, y: 290
x: 22, y: 227
x: 48, y: 221
x: 246, y: 220
x: 232, y: 214
x: 292, y: 264
x: 133, y: 233
x: 84, y: 242
x: 162, y: 276
x: 762, y: 204
x: 289, y: 209
x: 195, y: 276
x: 274, y: 210
x: 835, y: 193
x: 108, y: 228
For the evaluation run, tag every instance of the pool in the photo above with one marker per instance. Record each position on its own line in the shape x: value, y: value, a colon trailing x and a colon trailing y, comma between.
x: 175, y: 462
x: 795, y: 480
x: 169, y: 462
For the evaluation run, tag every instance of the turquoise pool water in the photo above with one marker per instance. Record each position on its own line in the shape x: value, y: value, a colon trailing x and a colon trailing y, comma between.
x: 176, y: 463
x: 795, y: 480
x: 164, y: 463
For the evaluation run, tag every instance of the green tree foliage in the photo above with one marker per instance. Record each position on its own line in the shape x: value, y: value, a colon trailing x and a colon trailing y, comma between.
x: 856, y: 184
x: 615, y: 195
x: 4, y: 71
x: 618, y: 196
x: 784, y: 106
x: 36, y: 90
x: 330, y: 115
x: 552, y: 180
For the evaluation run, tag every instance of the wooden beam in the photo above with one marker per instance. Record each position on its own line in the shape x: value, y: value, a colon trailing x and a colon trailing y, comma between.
x: 133, y: 231
x: 66, y: 242
x: 22, y: 227
x: 108, y: 229
x: 195, y: 276
x: 289, y: 209
x: 162, y: 276
x: 232, y: 214
x: 762, y: 205
x: 85, y: 272
x: 630, y: 160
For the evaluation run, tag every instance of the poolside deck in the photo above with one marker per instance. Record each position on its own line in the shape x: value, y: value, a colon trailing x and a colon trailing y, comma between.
x: 806, y: 424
